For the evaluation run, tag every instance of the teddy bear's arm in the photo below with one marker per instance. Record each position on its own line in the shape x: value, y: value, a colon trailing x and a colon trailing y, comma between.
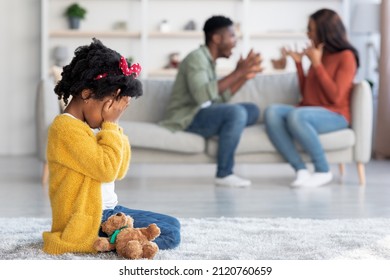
x: 103, y: 245
x: 151, y: 232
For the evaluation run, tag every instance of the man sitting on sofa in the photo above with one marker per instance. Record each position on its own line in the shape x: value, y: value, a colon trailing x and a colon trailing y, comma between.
x: 198, y: 102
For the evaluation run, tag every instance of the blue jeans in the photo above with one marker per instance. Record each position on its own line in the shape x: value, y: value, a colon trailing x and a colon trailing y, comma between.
x: 227, y: 121
x: 169, y: 226
x: 287, y: 124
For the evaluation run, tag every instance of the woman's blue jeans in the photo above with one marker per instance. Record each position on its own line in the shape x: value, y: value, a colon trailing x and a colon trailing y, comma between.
x: 169, y: 226
x: 227, y: 121
x: 287, y: 125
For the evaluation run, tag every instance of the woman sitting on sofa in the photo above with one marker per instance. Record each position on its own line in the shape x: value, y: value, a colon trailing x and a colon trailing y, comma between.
x: 325, y: 103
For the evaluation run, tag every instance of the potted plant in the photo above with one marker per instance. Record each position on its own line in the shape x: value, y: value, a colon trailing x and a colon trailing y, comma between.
x: 75, y: 13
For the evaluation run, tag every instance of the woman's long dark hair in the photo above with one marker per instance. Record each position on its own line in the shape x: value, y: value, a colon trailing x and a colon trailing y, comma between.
x: 331, y: 31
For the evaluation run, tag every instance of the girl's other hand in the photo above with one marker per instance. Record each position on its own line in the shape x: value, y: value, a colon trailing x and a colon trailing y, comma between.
x: 114, y: 108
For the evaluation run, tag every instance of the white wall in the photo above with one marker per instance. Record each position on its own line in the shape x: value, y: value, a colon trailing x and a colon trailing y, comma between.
x: 19, y: 56
x: 360, y: 41
x: 367, y: 70
x: 20, y: 72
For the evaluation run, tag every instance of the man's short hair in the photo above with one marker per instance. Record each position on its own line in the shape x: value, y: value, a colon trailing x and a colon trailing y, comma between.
x: 214, y: 24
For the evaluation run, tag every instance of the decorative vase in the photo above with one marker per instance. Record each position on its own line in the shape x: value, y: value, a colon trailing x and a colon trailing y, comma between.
x: 164, y: 26
x: 74, y: 23
x: 60, y: 55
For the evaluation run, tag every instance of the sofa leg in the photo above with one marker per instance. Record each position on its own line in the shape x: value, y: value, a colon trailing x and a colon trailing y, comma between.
x: 362, y: 173
x: 341, y: 172
x: 342, y: 169
x: 45, y: 174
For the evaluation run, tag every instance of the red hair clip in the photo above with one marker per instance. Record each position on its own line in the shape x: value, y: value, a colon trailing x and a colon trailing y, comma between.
x: 101, y: 76
x: 126, y: 70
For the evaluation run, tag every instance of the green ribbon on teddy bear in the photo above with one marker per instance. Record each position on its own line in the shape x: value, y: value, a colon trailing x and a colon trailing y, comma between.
x: 115, y: 233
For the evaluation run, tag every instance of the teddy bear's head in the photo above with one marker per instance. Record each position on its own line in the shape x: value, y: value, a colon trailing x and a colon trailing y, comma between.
x: 117, y: 221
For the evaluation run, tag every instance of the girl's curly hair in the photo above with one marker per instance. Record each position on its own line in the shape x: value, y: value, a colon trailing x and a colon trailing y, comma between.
x: 89, y: 62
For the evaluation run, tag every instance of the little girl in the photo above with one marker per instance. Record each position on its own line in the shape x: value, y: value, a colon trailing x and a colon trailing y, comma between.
x: 83, y: 165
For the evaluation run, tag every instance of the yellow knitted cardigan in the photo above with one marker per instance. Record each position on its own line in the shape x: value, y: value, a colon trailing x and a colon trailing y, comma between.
x: 79, y: 161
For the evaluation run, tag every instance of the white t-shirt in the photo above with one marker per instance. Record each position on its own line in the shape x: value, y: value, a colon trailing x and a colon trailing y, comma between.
x: 109, y: 197
x: 206, y: 104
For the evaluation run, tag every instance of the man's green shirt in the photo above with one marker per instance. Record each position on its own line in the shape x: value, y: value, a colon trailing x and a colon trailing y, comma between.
x: 196, y: 83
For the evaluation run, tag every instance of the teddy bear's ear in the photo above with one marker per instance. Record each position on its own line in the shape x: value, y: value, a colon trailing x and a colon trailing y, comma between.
x: 105, y: 226
x: 110, y: 225
x: 129, y: 221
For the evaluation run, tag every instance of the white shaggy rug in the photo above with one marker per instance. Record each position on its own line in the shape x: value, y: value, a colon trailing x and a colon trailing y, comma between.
x: 231, y: 239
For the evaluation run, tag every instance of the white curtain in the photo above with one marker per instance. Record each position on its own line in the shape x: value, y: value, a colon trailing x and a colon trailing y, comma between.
x: 382, y: 143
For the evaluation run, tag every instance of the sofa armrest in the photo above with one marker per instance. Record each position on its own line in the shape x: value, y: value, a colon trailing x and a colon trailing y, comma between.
x: 362, y: 120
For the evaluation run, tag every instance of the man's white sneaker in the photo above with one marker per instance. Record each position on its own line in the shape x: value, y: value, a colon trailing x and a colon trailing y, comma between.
x: 302, y: 176
x: 318, y: 179
x: 232, y: 181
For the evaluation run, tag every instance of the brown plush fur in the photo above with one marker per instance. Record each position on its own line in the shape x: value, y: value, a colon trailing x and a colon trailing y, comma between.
x: 131, y: 243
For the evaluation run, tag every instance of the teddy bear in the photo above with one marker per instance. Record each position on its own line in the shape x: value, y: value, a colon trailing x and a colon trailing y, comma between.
x: 129, y: 242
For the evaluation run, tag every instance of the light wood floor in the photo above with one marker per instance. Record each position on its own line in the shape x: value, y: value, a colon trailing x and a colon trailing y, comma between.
x: 188, y: 191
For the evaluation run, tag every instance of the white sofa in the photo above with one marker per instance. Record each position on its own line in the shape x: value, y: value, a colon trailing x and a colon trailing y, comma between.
x: 152, y: 143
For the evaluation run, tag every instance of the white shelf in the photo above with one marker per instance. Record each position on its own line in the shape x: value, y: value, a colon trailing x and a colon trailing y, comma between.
x: 278, y: 35
x: 180, y: 34
x: 83, y: 33
x: 299, y: 0
x: 262, y: 27
x: 171, y: 72
x: 176, y: 34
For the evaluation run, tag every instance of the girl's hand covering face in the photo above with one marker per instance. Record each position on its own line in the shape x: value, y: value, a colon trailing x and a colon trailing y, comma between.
x: 114, y: 107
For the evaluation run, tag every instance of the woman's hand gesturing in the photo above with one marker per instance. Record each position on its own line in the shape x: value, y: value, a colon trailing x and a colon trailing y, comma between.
x: 294, y: 54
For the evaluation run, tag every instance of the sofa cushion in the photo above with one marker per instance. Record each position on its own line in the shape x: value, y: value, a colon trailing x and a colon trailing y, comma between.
x: 153, y: 136
x: 255, y: 140
x: 150, y: 107
x: 338, y: 140
x: 267, y: 89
